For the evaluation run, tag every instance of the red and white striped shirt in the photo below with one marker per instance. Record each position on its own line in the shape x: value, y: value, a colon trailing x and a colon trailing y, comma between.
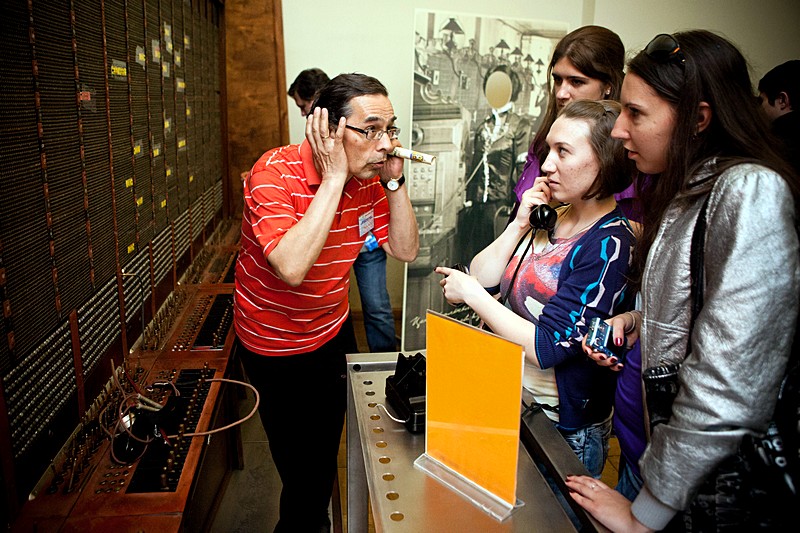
x: 271, y: 317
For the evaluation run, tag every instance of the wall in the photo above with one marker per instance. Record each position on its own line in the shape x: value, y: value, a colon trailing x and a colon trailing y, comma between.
x: 765, y: 31
x: 255, y: 91
x: 377, y: 38
x: 110, y: 169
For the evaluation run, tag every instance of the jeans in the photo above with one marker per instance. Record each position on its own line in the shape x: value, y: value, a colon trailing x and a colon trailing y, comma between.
x: 629, y: 483
x: 370, y: 270
x: 590, y: 444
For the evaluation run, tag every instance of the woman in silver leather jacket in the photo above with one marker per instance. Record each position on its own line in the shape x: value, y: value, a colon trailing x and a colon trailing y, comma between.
x: 689, y: 119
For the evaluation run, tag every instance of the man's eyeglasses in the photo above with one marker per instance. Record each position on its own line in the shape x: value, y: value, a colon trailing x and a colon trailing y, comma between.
x: 374, y: 135
x: 664, y: 47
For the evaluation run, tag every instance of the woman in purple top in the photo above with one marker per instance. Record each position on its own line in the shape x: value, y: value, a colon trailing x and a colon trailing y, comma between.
x: 586, y: 65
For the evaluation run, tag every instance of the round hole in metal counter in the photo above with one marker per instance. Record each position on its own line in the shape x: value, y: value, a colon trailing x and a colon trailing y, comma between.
x: 370, y: 393
x: 368, y: 382
x: 385, y: 460
x: 396, y: 516
x: 377, y: 430
x: 388, y: 477
x: 375, y: 417
x: 357, y: 368
x: 392, y: 496
x: 372, y: 404
x: 381, y: 444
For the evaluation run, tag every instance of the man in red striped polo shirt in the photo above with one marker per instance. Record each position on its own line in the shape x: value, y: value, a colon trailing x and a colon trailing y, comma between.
x: 307, y: 210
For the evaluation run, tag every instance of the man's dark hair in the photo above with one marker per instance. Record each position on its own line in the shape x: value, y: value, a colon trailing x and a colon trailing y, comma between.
x: 335, y: 96
x: 785, y: 78
x: 307, y: 83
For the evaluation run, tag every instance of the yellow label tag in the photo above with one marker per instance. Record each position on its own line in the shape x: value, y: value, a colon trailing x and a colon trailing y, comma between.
x: 129, y: 183
x: 131, y: 248
x: 169, y: 172
x: 156, y: 152
x: 167, y: 124
x: 191, y: 178
x: 119, y: 70
x: 181, y: 85
x: 141, y: 57
x: 139, y: 201
x: 181, y: 143
x: 137, y: 149
x: 163, y: 203
x: 188, y: 111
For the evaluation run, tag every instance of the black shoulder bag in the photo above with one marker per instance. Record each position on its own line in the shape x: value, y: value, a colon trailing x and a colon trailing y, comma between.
x: 756, y: 489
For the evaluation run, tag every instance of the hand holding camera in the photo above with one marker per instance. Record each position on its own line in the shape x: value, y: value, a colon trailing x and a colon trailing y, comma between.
x: 600, y: 338
x: 599, y: 342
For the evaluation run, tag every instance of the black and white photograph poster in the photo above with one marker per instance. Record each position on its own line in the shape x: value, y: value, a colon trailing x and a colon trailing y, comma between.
x: 480, y: 93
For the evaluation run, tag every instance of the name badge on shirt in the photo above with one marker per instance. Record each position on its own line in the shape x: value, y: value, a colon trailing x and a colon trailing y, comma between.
x: 365, y: 223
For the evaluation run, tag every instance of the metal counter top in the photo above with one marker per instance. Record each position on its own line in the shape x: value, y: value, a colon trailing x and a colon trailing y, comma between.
x: 380, y: 457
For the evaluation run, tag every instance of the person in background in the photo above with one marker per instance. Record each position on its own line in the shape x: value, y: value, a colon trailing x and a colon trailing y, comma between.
x: 587, y: 64
x: 370, y: 265
x: 498, y: 141
x: 689, y: 121
x: 303, y: 89
x: 554, y: 282
x: 780, y: 94
x: 307, y: 210
x: 370, y: 271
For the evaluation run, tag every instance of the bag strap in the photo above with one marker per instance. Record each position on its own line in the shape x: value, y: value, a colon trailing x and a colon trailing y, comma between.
x: 696, y: 258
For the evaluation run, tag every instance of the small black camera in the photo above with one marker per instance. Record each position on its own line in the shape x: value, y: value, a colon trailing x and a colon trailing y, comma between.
x: 460, y: 268
x: 600, y: 339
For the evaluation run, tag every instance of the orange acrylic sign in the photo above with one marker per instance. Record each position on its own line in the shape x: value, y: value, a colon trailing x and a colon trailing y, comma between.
x: 474, y: 390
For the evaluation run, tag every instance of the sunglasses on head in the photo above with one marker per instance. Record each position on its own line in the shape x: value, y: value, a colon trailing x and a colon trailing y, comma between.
x: 663, y: 48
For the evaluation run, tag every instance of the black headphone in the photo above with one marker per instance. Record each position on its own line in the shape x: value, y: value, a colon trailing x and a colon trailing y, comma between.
x: 543, y: 217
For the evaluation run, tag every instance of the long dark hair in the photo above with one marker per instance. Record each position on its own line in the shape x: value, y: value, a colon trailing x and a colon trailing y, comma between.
x: 595, y: 51
x: 714, y: 72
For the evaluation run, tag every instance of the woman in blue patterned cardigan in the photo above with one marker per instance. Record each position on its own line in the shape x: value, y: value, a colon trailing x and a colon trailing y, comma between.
x: 552, y: 283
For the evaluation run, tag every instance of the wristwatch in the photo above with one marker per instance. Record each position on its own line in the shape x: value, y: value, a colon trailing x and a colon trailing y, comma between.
x: 393, y: 185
